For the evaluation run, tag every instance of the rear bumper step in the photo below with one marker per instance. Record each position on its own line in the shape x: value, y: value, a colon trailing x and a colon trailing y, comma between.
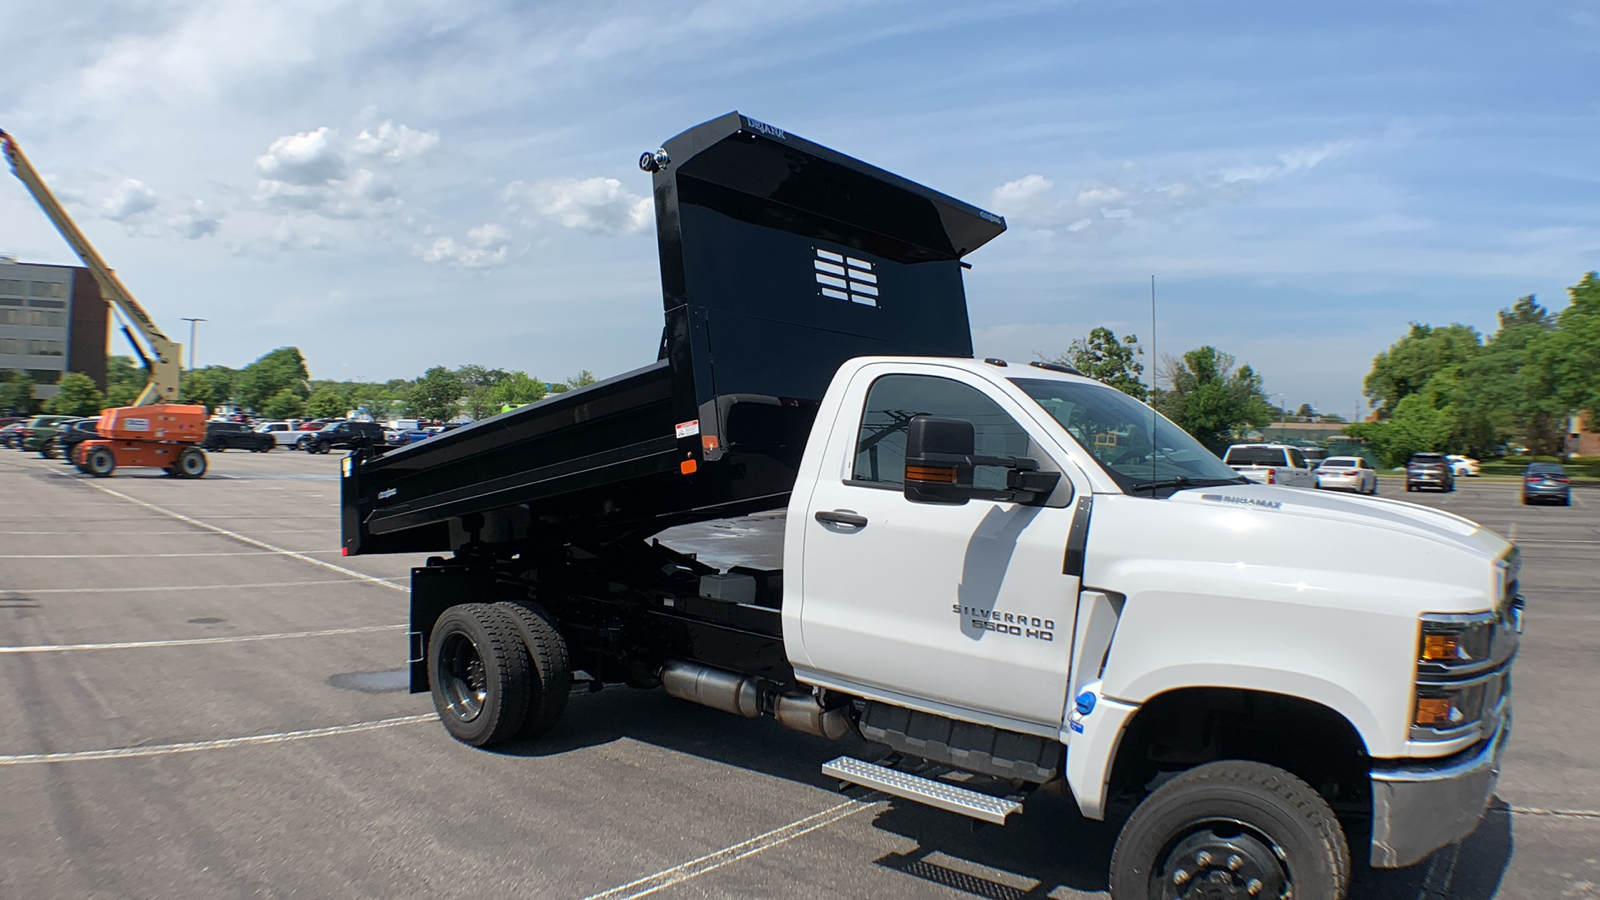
x: 940, y: 794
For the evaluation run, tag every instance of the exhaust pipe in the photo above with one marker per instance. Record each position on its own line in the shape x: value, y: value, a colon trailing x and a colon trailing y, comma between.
x: 738, y: 694
x: 715, y: 688
x: 804, y: 714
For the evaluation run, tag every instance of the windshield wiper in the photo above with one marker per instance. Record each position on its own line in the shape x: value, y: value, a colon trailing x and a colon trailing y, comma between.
x: 1183, y: 481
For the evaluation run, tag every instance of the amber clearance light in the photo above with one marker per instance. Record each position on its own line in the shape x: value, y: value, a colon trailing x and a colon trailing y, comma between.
x: 932, y: 474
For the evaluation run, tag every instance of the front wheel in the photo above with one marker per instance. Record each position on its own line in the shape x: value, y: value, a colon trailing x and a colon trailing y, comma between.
x: 100, y: 462
x: 48, y: 451
x: 1232, y: 829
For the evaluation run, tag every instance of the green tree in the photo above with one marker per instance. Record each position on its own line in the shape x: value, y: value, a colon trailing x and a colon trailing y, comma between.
x: 437, y: 394
x: 517, y: 389
x: 125, y: 379
x: 1410, y: 362
x: 326, y: 402
x: 381, y: 401
x: 1572, y: 356
x: 1105, y: 357
x: 77, y: 396
x: 284, y: 369
x: 582, y: 379
x: 479, y: 376
x: 1209, y: 399
x: 285, y: 404
x: 16, y: 394
x: 478, y: 403
x: 210, y: 387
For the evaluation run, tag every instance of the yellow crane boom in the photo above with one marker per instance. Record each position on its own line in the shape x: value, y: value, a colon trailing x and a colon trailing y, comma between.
x: 165, y: 358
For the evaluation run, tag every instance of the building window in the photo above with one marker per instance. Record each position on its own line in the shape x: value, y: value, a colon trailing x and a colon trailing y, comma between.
x: 11, y: 286
x: 11, y: 346
x: 47, y: 289
x: 48, y: 304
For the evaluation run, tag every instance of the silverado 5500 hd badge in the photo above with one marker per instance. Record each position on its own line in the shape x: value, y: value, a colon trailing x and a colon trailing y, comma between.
x: 1007, y: 623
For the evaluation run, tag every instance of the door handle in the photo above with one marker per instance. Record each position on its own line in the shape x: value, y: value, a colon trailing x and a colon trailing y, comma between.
x: 840, y: 517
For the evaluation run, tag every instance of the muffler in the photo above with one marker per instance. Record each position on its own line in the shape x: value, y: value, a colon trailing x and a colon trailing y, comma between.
x: 727, y: 691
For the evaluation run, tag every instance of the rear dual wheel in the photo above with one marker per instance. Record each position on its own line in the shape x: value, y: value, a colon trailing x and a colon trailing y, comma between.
x: 497, y: 672
x: 1233, y: 830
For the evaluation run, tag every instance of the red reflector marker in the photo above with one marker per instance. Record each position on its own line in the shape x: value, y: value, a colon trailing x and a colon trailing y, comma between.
x: 344, y: 551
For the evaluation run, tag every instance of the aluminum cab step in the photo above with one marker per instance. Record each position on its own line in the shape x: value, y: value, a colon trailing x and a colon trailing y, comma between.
x: 940, y: 794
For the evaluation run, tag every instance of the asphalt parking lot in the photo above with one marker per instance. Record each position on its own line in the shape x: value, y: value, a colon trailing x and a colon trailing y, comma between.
x: 205, y: 700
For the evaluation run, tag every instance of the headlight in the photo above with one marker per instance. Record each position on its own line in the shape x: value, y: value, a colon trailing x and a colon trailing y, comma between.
x: 1454, y: 641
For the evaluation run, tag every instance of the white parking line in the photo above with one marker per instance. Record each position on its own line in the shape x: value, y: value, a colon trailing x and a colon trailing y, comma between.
x: 182, y: 587
x: 224, y: 743
x: 247, y: 540
x: 189, y: 642
x: 694, y: 868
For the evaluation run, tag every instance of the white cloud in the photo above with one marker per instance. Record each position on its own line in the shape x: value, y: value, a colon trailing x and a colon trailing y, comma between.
x: 484, y: 246
x: 322, y: 173
x: 195, y: 222
x: 597, y: 205
x: 393, y: 143
x: 1099, y: 208
x: 128, y: 201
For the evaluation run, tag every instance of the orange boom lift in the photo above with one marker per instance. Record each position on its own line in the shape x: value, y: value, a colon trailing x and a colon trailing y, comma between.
x: 156, y: 430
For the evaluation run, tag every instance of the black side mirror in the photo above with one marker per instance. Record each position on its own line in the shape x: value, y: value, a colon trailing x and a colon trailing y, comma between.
x: 939, y: 462
x: 941, y: 455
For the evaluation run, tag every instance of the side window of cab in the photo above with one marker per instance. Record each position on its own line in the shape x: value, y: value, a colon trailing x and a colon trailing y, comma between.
x: 893, y: 401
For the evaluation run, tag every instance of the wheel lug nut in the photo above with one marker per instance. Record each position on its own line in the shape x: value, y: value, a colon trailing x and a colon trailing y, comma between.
x: 1254, y: 887
x: 1235, y: 862
x: 1203, y: 857
x: 1180, y: 877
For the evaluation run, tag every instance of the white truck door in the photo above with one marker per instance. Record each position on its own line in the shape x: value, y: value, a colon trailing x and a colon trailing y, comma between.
x: 966, y: 605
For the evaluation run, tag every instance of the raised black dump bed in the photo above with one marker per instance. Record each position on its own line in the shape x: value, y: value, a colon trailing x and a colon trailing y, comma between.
x: 780, y: 259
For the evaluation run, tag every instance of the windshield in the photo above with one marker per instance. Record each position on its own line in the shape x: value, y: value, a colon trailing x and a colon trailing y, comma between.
x: 1115, y: 429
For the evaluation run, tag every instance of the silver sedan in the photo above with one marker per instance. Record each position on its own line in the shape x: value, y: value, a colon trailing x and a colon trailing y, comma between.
x: 1347, y: 473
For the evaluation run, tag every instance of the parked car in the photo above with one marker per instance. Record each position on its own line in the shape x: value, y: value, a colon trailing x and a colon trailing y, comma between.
x: 1430, y: 470
x: 286, y: 434
x: 1314, y: 456
x: 1347, y: 473
x: 73, y: 433
x: 1463, y: 466
x: 1270, y: 464
x: 344, y: 436
x: 11, y: 435
x: 222, y: 436
x: 40, y: 430
x: 1546, y: 482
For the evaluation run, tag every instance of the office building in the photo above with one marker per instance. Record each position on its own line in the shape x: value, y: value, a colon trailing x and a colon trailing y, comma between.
x: 52, y: 321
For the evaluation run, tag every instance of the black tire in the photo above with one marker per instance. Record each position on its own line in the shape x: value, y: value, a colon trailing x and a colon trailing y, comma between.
x: 1280, y: 831
x: 324, y: 447
x: 550, y: 672
x: 48, y: 450
x: 191, y: 463
x: 478, y: 670
x: 100, y: 462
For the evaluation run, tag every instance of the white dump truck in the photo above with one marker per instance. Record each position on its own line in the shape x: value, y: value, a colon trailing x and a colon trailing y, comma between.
x: 1002, y: 576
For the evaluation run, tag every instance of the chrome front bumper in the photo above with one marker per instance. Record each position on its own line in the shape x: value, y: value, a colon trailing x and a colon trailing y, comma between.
x: 1419, y: 808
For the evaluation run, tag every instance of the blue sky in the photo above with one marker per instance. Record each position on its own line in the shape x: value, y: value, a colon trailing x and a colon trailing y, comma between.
x: 393, y: 185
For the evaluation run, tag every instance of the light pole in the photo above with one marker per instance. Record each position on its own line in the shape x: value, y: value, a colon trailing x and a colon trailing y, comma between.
x: 192, y: 323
